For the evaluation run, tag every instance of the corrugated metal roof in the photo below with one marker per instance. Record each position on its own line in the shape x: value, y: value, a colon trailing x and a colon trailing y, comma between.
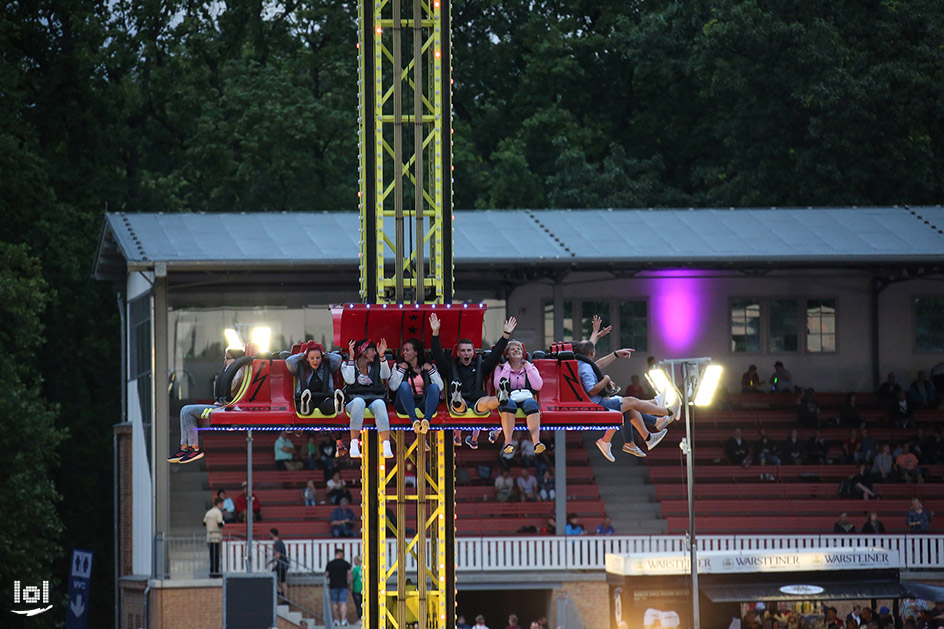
x: 814, y: 236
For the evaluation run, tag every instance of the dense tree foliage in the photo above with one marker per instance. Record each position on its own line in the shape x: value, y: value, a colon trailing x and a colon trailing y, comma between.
x: 173, y: 105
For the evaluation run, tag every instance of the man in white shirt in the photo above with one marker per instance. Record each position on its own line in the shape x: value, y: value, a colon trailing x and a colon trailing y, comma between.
x: 213, y: 521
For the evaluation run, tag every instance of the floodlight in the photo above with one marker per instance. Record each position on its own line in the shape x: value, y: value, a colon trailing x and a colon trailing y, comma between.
x: 707, y: 385
x: 662, y: 384
x: 232, y: 339
x: 261, y: 338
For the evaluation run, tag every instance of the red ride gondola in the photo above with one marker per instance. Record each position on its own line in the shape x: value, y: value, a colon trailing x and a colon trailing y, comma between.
x: 266, y: 399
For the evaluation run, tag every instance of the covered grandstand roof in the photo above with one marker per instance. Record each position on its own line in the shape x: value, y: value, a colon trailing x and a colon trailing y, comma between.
x: 632, y: 238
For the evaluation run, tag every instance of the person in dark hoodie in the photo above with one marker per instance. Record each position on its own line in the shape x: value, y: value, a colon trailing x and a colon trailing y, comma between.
x: 467, y: 385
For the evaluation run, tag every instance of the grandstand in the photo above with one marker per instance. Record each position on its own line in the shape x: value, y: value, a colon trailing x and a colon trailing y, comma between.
x: 180, y: 297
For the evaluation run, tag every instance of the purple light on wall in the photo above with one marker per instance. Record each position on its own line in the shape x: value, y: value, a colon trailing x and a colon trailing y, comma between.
x: 679, y: 303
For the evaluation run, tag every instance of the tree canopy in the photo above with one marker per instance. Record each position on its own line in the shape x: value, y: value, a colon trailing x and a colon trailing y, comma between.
x: 181, y: 106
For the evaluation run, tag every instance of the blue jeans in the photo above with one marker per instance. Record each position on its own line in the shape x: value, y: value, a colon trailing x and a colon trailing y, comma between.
x: 406, y: 403
x: 630, y: 432
x: 355, y: 409
x: 189, y: 416
x: 529, y: 406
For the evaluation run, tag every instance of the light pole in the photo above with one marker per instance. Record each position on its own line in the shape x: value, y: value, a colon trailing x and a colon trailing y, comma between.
x: 699, y: 380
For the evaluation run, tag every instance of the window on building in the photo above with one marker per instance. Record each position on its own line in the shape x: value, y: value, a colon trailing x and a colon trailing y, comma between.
x: 745, y: 325
x: 139, y: 361
x: 630, y: 321
x: 782, y: 324
x: 549, y: 323
x: 929, y: 324
x: 634, y: 325
x: 587, y: 310
x: 820, y: 325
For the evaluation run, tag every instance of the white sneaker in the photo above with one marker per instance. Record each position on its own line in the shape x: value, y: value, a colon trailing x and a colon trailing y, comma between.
x: 338, y: 401
x: 387, y: 452
x: 655, y: 438
x: 659, y: 400
x: 606, y: 449
x: 304, y: 405
x: 663, y: 422
x: 355, y: 449
x: 633, y: 449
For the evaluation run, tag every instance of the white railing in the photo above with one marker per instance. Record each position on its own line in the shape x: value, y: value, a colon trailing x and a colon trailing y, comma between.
x: 503, y: 554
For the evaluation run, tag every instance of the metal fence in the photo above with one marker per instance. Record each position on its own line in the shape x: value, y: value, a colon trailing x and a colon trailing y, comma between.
x: 502, y: 554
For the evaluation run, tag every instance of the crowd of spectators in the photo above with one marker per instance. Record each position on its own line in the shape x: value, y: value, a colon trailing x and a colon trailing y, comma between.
x: 513, y: 623
x: 912, y: 614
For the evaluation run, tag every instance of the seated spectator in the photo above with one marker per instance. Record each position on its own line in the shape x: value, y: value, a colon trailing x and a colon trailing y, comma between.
x: 850, y: 447
x: 343, y: 520
x: 461, y: 623
x: 843, y: 525
x: 241, y: 502
x: 546, y: 486
x: 922, y: 393
x: 781, y: 381
x: 337, y: 489
x: 765, y: 451
x: 736, y: 449
x: 907, y: 464
x: 791, y: 453
x: 849, y: 413
x: 504, y: 487
x: 933, y: 448
x: 887, y: 392
x: 873, y: 524
x: 816, y: 449
x: 606, y: 528
x: 285, y: 453
x: 900, y: 412
x: 883, y: 465
x: 750, y: 380
x: 867, y: 445
x: 918, y: 520
x: 480, y: 622
x: 808, y: 410
x: 862, y: 484
x: 513, y: 622
x: 573, y: 525
x: 527, y: 486
x: 228, y: 508
x: 635, y: 389
x: 308, y: 495
x: 551, y: 527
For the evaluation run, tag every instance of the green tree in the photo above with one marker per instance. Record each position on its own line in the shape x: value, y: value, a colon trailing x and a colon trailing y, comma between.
x: 31, y: 536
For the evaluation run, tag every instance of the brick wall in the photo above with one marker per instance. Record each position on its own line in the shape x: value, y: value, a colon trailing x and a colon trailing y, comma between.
x: 125, y: 498
x: 187, y: 607
x: 592, y: 599
x: 131, y: 593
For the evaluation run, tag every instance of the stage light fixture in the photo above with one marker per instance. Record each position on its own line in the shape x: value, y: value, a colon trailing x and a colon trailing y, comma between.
x: 706, y: 387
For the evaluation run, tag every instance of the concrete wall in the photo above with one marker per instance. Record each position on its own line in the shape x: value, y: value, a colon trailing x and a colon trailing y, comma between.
x: 140, y: 472
x: 689, y: 317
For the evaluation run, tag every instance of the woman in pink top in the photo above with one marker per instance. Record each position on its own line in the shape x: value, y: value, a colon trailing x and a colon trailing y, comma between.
x: 517, y: 381
x: 416, y: 383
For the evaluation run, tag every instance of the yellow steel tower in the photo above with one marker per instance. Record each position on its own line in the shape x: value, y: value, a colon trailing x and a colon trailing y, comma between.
x: 405, y: 201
